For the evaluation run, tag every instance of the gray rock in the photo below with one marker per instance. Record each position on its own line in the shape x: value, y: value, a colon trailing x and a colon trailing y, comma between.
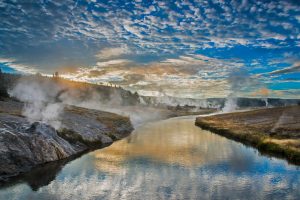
x: 24, y: 145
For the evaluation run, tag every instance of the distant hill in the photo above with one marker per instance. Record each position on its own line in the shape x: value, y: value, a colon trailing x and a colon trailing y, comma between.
x: 81, y: 91
x: 217, y: 102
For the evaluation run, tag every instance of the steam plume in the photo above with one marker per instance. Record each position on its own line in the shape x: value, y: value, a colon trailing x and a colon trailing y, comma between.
x: 40, y: 98
x: 238, y: 81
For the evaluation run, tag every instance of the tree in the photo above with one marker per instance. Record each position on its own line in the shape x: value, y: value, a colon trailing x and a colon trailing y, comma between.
x: 38, y: 74
x: 3, y: 91
x: 55, y: 75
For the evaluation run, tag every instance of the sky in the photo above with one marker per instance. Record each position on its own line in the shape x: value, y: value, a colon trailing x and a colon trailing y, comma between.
x: 183, y: 48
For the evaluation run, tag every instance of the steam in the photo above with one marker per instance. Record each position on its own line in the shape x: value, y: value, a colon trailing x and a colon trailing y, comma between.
x: 266, y: 102
x: 230, y: 104
x: 40, y: 98
x: 263, y: 92
x: 176, y: 101
x: 238, y: 80
x: 138, y: 114
x: 45, y: 98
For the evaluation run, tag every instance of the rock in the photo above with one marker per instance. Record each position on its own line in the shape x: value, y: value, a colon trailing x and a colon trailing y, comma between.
x: 24, y: 145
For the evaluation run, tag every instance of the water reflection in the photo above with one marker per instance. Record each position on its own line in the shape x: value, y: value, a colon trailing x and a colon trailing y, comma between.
x: 169, y: 142
x: 170, y: 159
x: 39, y: 176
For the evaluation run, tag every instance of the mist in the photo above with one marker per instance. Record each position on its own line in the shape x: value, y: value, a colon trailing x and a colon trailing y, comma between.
x: 40, y: 97
x: 138, y: 114
x: 238, y: 80
x: 230, y: 104
x: 45, y: 99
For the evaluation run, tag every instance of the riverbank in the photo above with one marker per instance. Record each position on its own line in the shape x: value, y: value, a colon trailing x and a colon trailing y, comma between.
x: 273, y: 131
x: 25, y: 145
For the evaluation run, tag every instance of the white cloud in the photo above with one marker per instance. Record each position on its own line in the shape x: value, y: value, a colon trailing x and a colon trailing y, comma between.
x: 10, y: 62
x: 6, y: 60
x: 119, y: 31
x: 108, y: 53
x: 113, y: 62
x: 133, y: 30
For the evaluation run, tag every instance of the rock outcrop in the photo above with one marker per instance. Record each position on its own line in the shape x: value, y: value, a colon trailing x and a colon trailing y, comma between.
x: 24, y: 145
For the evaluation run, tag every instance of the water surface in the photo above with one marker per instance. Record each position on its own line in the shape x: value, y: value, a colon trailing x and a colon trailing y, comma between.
x: 170, y: 159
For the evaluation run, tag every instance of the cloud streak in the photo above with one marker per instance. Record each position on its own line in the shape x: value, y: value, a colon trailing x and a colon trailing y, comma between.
x: 294, y: 68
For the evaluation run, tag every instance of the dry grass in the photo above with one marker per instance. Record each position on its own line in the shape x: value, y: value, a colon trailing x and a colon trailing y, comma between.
x: 274, y: 131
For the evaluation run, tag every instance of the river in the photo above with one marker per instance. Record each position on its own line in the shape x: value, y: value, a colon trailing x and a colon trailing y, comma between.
x: 168, y: 159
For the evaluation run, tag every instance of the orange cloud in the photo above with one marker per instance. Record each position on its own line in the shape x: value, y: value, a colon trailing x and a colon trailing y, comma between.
x: 262, y: 92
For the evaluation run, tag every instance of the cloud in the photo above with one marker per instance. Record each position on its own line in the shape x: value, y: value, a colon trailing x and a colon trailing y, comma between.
x: 262, y: 92
x: 186, y: 76
x: 108, y: 53
x: 294, y: 68
x: 143, y: 26
x: 157, y: 38
x: 7, y: 60
x: 10, y: 62
x: 113, y: 62
x: 132, y: 29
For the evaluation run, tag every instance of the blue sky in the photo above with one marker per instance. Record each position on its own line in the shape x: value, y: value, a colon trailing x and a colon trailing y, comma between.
x: 190, y: 48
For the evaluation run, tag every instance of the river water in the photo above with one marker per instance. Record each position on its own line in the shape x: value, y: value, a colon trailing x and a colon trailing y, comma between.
x: 169, y: 159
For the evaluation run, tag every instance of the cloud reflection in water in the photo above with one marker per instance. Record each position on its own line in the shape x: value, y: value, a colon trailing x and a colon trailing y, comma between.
x: 171, y: 159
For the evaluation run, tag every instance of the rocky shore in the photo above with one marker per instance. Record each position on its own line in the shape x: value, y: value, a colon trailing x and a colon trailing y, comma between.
x: 273, y: 131
x: 25, y: 145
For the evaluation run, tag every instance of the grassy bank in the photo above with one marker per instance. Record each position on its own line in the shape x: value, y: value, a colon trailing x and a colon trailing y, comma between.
x: 273, y: 131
